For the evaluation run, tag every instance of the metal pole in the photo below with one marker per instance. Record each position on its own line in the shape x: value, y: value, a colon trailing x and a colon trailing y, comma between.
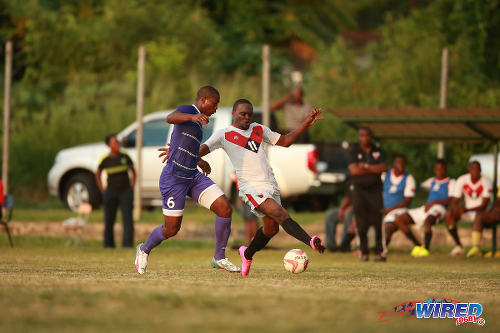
x: 495, y: 191
x: 6, y: 116
x: 443, y: 93
x: 266, y: 57
x: 138, y: 142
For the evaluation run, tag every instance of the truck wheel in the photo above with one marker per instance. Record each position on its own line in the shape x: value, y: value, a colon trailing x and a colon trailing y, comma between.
x: 79, y: 188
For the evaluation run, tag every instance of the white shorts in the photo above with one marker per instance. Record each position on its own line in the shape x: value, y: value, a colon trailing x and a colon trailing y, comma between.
x: 391, y: 216
x: 418, y: 215
x: 254, y: 198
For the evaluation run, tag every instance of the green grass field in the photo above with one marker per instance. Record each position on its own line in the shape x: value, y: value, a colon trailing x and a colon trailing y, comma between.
x: 47, y: 287
x: 52, y: 210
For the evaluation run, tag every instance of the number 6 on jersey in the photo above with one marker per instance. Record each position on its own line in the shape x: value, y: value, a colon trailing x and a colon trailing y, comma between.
x: 170, y: 202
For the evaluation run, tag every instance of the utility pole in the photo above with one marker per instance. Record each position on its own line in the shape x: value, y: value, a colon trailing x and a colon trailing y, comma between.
x: 443, y: 93
x: 266, y: 75
x: 6, y: 116
x: 141, y: 64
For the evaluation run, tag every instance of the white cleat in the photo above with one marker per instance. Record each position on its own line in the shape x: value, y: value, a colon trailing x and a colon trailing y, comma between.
x: 141, y: 260
x: 457, y: 251
x: 225, y: 264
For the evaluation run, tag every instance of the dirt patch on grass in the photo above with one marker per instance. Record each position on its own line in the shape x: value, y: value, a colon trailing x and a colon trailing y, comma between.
x: 193, y: 231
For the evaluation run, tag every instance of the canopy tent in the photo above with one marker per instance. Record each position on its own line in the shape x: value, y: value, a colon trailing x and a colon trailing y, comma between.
x: 417, y: 124
x: 426, y: 124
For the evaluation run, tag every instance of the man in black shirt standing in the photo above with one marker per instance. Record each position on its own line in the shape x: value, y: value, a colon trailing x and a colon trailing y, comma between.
x: 366, y: 163
x: 118, y: 193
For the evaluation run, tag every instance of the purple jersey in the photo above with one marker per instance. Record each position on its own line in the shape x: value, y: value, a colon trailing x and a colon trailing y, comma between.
x: 184, y: 146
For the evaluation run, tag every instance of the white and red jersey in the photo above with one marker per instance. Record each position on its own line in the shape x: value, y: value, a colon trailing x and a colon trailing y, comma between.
x: 473, y: 192
x: 247, y: 154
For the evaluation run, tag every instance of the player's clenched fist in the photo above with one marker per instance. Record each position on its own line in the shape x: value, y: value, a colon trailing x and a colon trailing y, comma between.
x: 201, y: 118
x: 204, y: 166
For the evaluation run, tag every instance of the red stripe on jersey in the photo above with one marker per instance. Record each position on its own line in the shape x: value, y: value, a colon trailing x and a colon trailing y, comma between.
x: 252, y: 200
x: 470, y: 191
x: 257, y: 134
x: 236, y: 138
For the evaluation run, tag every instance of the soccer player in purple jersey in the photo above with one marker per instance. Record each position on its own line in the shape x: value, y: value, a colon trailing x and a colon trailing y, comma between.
x: 180, y: 177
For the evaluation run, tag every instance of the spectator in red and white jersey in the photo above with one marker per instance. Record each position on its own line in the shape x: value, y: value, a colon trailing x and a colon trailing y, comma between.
x: 476, y: 191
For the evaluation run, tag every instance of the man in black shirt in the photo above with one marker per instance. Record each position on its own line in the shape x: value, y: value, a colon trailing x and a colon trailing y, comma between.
x: 366, y: 163
x: 118, y: 193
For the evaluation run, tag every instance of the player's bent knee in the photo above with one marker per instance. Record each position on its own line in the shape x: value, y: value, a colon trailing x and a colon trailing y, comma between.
x: 170, y: 232
x: 225, y: 210
x: 271, y: 231
x: 280, y: 215
x: 221, y: 207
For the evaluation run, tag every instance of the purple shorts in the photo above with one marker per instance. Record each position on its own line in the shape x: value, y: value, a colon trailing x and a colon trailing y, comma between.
x: 174, y: 191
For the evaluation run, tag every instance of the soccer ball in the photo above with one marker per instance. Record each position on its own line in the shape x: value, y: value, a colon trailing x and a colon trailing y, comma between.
x: 296, y: 261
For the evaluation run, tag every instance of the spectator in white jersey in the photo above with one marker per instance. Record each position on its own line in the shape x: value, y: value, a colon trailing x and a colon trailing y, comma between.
x: 243, y: 143
x: 476, y: 190
x: 434, y: 210
x: 399, y: 190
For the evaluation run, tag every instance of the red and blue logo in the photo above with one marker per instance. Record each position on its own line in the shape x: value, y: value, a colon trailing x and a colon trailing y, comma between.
x: 437, y: 308
x: 461, y: 312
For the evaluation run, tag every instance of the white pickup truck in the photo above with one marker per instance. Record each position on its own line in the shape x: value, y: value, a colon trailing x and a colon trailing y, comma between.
x: 72, y: 177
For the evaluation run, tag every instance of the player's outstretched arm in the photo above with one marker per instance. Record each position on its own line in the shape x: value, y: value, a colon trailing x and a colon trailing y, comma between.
x: 287, y: 139
x: 177, y: 117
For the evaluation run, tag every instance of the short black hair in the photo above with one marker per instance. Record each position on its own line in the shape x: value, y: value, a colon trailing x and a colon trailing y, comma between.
x: 366, y: 128
x: 207, y: 91
x: 241, y: 101
x: 108, y: 138
x: 474, y: 162
x: 441, y: 161
x: 399, y: 156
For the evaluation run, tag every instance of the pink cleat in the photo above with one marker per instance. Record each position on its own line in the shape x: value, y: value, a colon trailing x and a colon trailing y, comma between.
x: 316, y: 244
x: 245, y: 263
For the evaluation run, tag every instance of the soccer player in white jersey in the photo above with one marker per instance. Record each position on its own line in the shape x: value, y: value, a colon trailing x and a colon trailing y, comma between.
x: 476, y: 191
x: 243, y: 142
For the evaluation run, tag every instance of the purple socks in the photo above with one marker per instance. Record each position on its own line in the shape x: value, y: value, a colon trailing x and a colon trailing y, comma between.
x: 154, y: 239
x: 222, y: 228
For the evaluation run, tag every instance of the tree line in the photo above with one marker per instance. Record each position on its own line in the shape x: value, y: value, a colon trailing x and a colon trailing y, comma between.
x: 75, y: 63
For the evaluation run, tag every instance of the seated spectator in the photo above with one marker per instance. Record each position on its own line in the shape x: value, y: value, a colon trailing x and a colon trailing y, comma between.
x: 399, y: 190
x: 434, y: 210
x: 476, y: 191
x: 484, y: 218
x: 350, y: 234
x: 343, y: 214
